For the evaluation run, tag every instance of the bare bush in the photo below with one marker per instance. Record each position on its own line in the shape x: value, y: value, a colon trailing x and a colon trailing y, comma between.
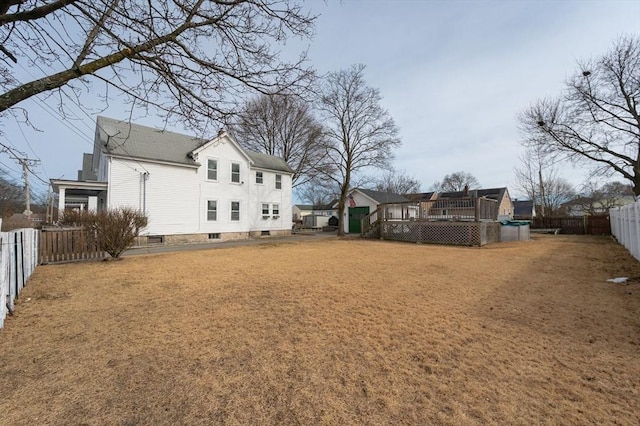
x: 115, y: 229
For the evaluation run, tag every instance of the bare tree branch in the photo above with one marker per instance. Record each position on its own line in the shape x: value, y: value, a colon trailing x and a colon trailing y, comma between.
x: 596, y: 119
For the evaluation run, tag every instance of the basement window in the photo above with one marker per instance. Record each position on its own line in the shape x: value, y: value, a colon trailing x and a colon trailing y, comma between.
x: 265, y: 233
x: 214, y: 236
x: 155, y: 239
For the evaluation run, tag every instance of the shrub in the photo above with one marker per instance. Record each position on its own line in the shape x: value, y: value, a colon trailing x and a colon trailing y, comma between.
x: 115, y: 229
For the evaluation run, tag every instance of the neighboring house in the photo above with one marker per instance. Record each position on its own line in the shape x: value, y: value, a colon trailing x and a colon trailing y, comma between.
x: 524, y: 210
x: 361, y: 202
x: 192, y: 190
x: 584, y: 206
x: 301, y: 210
x: 501, y: 195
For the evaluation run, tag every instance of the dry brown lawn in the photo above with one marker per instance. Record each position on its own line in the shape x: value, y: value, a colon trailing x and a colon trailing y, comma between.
x: 331, y: 332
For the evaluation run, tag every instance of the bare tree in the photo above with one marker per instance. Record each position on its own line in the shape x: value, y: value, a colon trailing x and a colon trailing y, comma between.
x: 11, y: 195
x: 538, y: 179
x: 318, y: 191
x: 283, y: 126
x: 185, y: 59
x: 456, y: 182
x: 359, y: 133
x: 596, y: 119
x: 397, y: 182
x: 597, y: 199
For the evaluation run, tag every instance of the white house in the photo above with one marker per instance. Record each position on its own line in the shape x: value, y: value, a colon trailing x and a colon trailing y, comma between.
x: 192, y: 190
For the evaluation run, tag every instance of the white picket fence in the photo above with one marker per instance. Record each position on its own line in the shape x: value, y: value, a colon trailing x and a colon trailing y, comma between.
x: 625, y: 226
x: 18, y: 259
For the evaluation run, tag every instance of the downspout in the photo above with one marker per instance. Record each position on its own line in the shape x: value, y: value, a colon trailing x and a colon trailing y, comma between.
x: 145, y: 176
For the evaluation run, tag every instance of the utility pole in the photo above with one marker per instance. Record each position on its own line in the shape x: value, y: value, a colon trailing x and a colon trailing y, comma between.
x: 26, y: 162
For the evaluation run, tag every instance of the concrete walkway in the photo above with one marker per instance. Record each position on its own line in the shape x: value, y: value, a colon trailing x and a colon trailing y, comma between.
x: 293, y: 238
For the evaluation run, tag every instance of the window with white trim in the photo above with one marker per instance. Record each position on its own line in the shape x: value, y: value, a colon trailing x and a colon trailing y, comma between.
x: 235, y: 211
x: 259, y: 177
x: 212, y: 169
x: 265, y: 209
x: 275, y: 209
x: 212, y: 210
x: 278, y: 181
x: 235, y: 172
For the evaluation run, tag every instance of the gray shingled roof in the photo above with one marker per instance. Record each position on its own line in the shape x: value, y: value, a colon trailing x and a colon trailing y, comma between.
x: 383, y: 197
x: 269, y: 162
x: 491, y: 193
x: 126, y: 139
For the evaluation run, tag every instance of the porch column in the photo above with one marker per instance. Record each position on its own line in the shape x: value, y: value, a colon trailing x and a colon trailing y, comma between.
x: 61, y: 201
x: 92, y: 203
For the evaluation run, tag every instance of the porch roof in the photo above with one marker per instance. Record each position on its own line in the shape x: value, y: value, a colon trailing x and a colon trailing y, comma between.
x: 78, y: 187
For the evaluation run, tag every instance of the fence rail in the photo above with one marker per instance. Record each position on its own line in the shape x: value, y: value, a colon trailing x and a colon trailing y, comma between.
x: 625, y: 226
x: 18, y: 260
x: 69, y: 245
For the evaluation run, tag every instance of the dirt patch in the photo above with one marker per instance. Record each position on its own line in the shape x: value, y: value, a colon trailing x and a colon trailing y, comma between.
x: 331, y: 332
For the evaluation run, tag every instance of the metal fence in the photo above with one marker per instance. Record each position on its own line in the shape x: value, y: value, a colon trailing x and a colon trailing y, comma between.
x: 18, y: 260
x: 625, y: 226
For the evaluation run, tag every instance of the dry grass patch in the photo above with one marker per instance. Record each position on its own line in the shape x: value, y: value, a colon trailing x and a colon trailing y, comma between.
x: 331, y: 332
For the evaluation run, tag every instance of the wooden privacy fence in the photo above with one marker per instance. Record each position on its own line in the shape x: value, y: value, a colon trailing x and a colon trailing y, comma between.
x: 69, y: 245
x: 625, y: 226
x: 581, y: 225
x: 18, y: 259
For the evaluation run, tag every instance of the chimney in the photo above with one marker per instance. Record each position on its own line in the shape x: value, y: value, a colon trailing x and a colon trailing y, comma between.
x: 465, y: 192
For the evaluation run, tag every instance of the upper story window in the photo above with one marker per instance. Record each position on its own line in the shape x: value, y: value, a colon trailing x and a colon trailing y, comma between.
x: 259, y: 177
x: 235, y: 172
x: 212, y: 169
x: 278, y: 181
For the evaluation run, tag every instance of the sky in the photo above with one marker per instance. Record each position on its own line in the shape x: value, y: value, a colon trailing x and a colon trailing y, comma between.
x: 454, y: 75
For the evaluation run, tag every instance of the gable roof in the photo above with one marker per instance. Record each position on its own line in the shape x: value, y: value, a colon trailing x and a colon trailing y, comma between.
x: 420, y: 196
x: 269, y: 162
x: 382, y: 197
x: 125, y: 139
x: 491, y: 193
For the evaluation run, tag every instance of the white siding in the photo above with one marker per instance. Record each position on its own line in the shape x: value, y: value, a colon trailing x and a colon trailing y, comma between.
x: 175, y: 197
x: 223, y: 190
x: 268, y: 194
x: 170, y: 196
